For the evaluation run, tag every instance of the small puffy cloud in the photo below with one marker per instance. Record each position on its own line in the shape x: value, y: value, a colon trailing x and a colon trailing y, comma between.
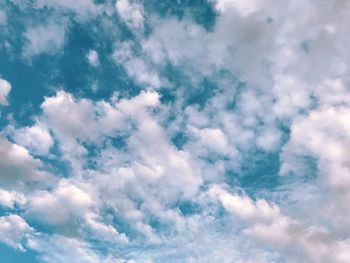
x: 213, y: 139
x: 14, y: 230
x: 5, y: 88
x: 71, y: 114
x: 44, y: 38
x: 131, y: 13
x: 244, y: 206
x: 92, y: 58
x: 35, y: 138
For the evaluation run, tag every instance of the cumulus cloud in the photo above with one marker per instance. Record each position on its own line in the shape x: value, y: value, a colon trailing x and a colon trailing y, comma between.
x: 267, y: 224
x: 131, y: 13
x: 9, y: 199
x: 5, y: 88
x: 161, y: 174
x: 36, y: 138
x: 60, y: 206
x: 150, y: 159
x: 17, y: 166
x: 14, y: 231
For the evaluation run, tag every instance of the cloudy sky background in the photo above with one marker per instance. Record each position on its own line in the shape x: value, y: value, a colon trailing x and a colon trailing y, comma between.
x: 174, y: 131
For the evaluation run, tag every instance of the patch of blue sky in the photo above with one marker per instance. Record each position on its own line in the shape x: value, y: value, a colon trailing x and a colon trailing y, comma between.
x: 9, y: 255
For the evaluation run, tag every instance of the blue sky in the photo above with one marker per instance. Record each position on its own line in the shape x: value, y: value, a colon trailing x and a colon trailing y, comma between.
x: 136, y: 131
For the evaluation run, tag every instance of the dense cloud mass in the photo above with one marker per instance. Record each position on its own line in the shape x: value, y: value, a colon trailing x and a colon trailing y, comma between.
x: 139, y: 131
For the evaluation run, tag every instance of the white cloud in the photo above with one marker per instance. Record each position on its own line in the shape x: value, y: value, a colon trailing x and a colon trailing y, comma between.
x: 324, y: 135
x: 167, y: 41
x: 35, y: 138
x: 131, y: 13
x: 269, y: 139
x: 267, y: 225
x: 244, y: 206
x: 92, y: 57
x: 8, y: 199
x: 72, y: 208
x: 5, y: 88
x: 63, y: 115
x: 270, y: 70
x: 154, y: 161
x: 212, y: 138
x: 58, y: 248
x: 101, y: 118
x: 63, y: 205
x: 18, y: 167
x: 14, y: 231
x: 48, y: 38
x: 243, y: 7
x: 136, y: 67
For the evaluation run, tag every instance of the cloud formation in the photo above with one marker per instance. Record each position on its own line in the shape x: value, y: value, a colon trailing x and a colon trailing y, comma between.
x: 222, y: 141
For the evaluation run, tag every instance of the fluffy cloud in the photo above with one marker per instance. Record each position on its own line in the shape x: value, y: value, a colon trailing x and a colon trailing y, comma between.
x: 14, y: 231
x: 324, y: 135
x: 148, y: 160
x: 245, y: 8
x: 136, y: 67
x: 36, y: 138
x: 71, y: 210
x: 9, y: 199
x: 165, y: 173
x: 62, y: 205
x: 92, y: 57
x: 268, y: 225
x: 17, y: 166
x: 131, y: 13
x: 5, y: 88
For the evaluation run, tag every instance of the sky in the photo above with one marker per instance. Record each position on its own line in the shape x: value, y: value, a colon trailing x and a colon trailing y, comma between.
x: 155, y: 131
